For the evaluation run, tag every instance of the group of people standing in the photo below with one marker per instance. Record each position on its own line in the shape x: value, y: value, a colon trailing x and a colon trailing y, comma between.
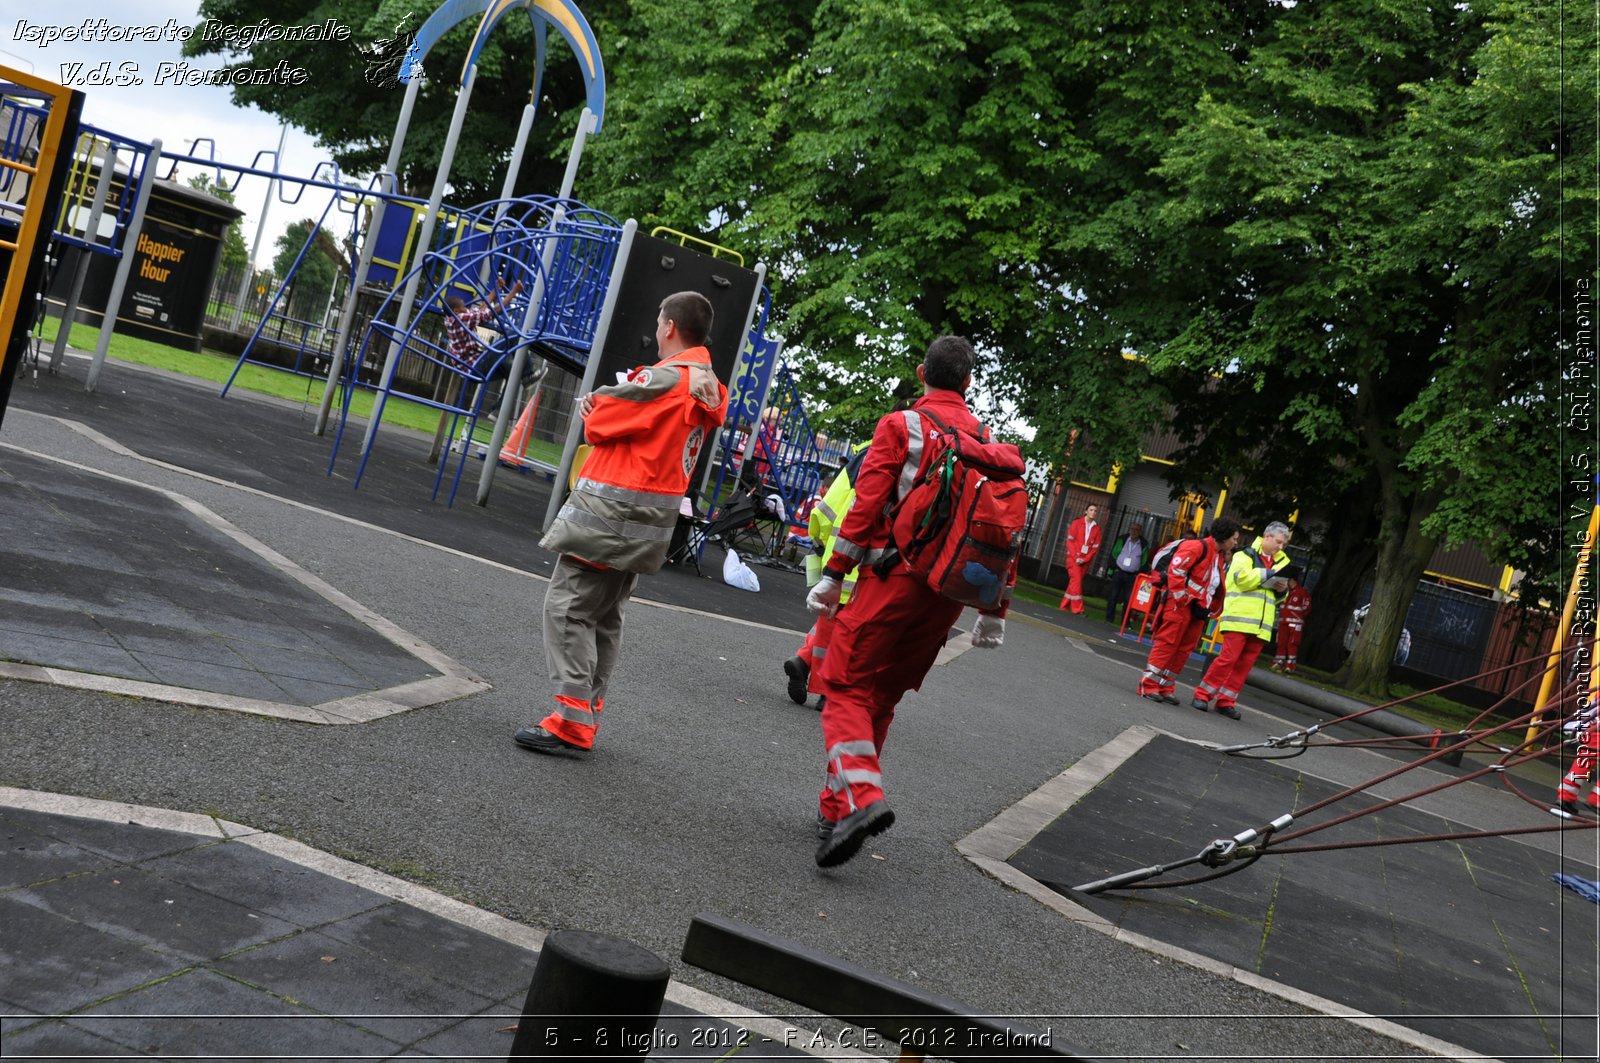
x: 1214, y: 576
x: 1252, y: 592
x: 879, y: 625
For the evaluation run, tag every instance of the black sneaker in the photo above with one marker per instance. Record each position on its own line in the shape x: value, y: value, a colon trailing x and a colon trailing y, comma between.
x: 1169, y: 699
x: 1229, y: 711
x: 851, y: 832
x: 799, y: 674
x: 539, y: 740
x: 1203, y: 706
x: 824, y: 827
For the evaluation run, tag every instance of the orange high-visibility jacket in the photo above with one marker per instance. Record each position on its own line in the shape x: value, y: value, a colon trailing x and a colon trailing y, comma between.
x: 647, y: 435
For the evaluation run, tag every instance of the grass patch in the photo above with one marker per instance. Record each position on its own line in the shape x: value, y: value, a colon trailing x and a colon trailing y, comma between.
x: 1435, y: 710
x: 267, y: 380
x: 1040, y: 594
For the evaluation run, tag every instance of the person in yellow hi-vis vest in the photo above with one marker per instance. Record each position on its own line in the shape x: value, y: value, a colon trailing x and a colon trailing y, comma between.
x: 826, y: 516
x: 1249, y: 618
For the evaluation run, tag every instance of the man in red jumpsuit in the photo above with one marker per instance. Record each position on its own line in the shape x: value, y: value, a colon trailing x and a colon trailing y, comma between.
x: 1292, y: 612
x: 1083, y: 542
x: 1194, y: 588
x: 885, y: 640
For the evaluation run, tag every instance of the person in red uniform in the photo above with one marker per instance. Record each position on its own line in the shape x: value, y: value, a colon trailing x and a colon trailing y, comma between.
x: 1292, y: 612
x: 1083, y: 542
x: 647, y: 435
x: 885, y: 640
x: 1193, y: 590
x: 1586, y: 727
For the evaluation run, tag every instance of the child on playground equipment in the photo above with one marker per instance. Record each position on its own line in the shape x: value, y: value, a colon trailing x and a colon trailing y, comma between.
x: 467, y: 339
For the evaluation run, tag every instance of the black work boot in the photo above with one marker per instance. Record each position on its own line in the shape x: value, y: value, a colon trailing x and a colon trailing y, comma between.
x: 851, y: 832
x: 799, y: 674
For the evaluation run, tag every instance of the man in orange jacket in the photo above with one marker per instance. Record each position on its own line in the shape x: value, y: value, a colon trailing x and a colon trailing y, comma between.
x: 887, y: 638
x: 1083, y: 542
x: 647, y: 434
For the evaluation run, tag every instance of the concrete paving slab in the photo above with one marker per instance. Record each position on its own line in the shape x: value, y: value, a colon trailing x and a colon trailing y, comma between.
x: 51, y: 965
x: 107, y: 840
x: 63, y: 1040
x: 130, y: 583
x: 157, y: 913
x: 276, y: 887
x: 210, y: 1015
x: 406, y: 938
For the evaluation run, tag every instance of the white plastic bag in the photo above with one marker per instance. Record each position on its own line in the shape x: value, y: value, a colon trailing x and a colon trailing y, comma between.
x: 735, y: 573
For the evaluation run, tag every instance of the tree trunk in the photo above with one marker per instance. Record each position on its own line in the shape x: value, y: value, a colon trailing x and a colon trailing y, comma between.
x: 1403, y: 554
x: 1351, y: 550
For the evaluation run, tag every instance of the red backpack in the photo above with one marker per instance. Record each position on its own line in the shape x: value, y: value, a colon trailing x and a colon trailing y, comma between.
x: 960, y: 525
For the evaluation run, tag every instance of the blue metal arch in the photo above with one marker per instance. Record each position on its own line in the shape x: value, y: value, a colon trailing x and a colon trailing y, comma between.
x: 562, y: 14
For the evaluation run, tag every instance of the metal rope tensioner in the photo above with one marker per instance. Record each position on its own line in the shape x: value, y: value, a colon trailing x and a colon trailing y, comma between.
x: 1225, y: 851
x: 1293, y: 738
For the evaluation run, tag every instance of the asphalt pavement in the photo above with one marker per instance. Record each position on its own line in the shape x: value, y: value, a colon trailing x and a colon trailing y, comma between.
x: 263, y: 802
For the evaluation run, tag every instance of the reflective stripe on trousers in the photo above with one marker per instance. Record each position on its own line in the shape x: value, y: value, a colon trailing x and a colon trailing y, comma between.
x: 1156, y: 680
x: 653, y: 499
x: 574, y: 720
x: 853, y: 764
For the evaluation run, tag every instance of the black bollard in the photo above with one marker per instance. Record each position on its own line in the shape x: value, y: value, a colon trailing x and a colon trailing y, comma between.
x: 591, y: 995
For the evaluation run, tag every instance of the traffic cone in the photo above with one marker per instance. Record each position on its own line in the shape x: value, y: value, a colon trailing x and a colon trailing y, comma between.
x: 512, y: 453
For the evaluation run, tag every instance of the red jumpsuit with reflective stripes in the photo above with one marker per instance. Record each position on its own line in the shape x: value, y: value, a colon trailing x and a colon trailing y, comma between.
x: 1083, y: 542
x: 1291, y: 626
x: 1194, y: 577
x: 887, y: 636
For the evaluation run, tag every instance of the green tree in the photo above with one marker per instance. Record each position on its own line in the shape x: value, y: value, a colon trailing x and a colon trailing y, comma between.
x: 234, y: 254
x: 1360, y: 217
x: 904, y: 170
x: 319, y: 268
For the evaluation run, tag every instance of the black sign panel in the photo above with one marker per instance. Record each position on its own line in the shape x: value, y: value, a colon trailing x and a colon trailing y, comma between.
x: 656, y: 269
x: 174, y: 259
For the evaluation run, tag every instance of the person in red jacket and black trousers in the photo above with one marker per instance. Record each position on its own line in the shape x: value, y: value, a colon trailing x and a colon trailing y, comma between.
x: 1194, y: 588
x: 885, y: 640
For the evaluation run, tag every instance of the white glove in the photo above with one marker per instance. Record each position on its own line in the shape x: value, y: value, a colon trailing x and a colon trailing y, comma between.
x: 824, y: 597
x: 988, y: 632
